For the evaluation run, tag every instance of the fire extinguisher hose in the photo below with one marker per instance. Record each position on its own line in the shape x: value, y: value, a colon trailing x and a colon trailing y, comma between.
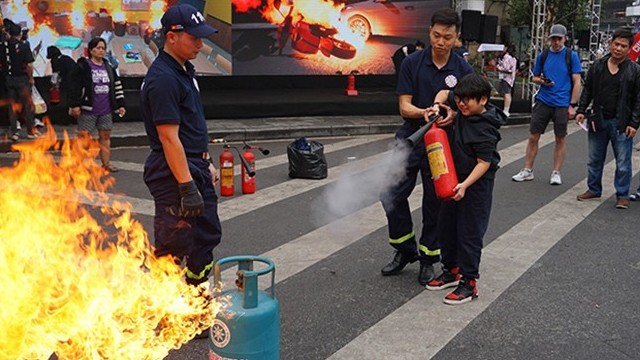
x: 414, y: 139
x: 245, y: 164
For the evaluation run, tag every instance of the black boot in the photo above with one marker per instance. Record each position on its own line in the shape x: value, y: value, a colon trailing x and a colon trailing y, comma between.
x: 400, y: 260
x: 426, y: 273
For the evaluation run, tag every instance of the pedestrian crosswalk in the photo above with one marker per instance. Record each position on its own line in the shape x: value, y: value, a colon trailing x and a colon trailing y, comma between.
x: 334, y: 303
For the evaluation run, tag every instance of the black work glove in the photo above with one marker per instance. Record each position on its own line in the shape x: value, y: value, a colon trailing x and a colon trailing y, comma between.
x: 191, y: 203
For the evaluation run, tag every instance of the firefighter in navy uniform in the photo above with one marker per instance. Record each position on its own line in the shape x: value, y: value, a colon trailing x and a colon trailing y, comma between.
x: 179, y: 172
x: 423, y: 74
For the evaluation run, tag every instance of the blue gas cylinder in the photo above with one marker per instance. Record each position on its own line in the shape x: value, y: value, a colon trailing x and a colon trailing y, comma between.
x: 248, y: 324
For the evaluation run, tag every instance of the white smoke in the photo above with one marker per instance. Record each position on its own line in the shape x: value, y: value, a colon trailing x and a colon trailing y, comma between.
x: 355, y: 189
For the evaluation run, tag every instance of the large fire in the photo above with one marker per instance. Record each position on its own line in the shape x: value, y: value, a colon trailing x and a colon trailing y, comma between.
x: 40, y: 21
x: 318, y: 12
x: 80, y: 287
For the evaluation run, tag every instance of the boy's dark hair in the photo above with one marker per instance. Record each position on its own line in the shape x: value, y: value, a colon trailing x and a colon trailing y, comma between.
x: 623, y: 33
x: 473, y: 86
x: 420, y: 44
x: 447, y: 17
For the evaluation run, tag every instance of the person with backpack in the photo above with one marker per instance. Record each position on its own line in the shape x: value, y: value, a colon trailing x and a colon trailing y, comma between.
x: 558, y: 71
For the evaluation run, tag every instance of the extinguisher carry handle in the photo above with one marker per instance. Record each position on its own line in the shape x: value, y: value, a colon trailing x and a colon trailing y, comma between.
x: 245, y: 264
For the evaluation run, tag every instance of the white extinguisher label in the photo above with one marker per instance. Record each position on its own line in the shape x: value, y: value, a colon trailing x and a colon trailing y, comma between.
x: 437, y: 160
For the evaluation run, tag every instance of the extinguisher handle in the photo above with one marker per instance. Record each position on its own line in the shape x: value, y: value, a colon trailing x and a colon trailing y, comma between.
x: 245, y: 163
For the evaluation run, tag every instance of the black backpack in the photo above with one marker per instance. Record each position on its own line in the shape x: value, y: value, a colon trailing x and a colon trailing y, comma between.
x: 568, y: 59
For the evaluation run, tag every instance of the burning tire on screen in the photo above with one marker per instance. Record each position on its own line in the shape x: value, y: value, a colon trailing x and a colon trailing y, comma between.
x: 360, y: 26
x: 342, y: 49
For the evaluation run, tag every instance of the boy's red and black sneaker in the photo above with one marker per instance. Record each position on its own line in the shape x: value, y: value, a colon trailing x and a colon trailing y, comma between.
x: 466, y: 291
x: 448, y: 278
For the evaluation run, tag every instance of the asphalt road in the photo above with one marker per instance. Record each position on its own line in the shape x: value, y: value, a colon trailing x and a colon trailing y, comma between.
x: 559, y: 278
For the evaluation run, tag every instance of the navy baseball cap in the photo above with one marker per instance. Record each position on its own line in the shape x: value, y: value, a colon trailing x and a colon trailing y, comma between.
x: 184, y: 17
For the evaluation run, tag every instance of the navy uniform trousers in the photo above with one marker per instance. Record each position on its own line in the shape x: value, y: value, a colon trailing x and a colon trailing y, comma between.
x: 191, y: 238
x: 396, y: 205
x: 462, y: 228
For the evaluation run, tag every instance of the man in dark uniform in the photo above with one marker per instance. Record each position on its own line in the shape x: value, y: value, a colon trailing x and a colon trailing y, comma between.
x: 19, y: 82
x: 422, y: 76
x: 179, y: 172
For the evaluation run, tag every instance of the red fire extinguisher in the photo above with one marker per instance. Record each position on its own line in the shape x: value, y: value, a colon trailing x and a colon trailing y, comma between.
x: 249, y: 180
x: 54, y: 94
x: 443, y: 170
x: 351, y: 84
x: 226, y: 172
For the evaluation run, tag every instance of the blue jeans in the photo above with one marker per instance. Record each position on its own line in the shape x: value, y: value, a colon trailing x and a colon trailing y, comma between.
x: 622, y: 146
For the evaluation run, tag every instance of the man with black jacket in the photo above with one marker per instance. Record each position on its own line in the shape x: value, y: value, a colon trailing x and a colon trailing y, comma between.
x: 19, y: 80
x: 64, y: 68
x: 612, y: 88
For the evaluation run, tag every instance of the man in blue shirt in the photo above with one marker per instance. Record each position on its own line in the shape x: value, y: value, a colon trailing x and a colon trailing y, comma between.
x: 557, y: 100
x: 422, y: 75
x: 179, y: 172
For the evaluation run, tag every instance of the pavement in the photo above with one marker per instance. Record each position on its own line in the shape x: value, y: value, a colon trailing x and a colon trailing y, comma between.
x: 133, y: 133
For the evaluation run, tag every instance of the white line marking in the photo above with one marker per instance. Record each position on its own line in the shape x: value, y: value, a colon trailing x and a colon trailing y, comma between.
x: 298, y: 254
x: 426, y: 321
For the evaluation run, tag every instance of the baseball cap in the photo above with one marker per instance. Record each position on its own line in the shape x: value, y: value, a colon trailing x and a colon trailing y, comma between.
x: 184, y: 17
x: 558, y: 30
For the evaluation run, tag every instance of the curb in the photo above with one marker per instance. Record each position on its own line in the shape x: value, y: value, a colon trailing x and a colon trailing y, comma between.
x: 276, y: 131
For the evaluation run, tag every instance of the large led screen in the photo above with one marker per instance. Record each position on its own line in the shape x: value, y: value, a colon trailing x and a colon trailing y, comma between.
x: 301, y: 37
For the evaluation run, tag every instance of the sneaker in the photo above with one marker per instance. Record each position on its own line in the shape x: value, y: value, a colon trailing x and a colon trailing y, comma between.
x: 466, y: 291
x: 15, y: 137
x: 524, y: 175
x: 635, y: 197
x: 622, y: 203
x: 448, y: 278
x: 555, y: 178
x: 38, y: 123
x: 33, y: 136
x: 587, y: 195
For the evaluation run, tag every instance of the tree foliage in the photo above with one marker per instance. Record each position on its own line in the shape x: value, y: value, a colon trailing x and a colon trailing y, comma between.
x: 575, y: 14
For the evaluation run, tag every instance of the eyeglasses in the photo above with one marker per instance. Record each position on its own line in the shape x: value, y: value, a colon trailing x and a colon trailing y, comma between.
x: 461, y: 100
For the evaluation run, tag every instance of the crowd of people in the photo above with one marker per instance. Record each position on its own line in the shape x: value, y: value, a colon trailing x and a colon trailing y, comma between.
x: 90, y: 91
x: 438, y: 82
x: 434, y: 81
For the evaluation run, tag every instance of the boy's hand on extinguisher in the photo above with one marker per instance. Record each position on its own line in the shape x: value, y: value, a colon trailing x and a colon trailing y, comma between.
x: 191, y: 203
x: 460, y: 191
x: 214, y: 174
x: 450, y: 115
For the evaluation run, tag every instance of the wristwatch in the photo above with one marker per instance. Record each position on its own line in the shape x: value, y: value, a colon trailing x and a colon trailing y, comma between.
x: 575, y: 105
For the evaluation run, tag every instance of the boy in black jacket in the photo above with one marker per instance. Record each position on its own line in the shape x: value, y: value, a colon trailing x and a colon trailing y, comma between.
x: 474, y: 138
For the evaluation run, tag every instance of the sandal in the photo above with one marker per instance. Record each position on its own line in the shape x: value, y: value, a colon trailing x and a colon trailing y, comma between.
x: 110, y: 168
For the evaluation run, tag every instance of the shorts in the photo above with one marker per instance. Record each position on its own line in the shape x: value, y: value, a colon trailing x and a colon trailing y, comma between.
x: 504, y: 87
x: 90, y: 123
x: 541, y: 114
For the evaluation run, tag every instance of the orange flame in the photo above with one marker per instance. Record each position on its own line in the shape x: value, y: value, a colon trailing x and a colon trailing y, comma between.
x: 246, y: 5
x: 79, y: 287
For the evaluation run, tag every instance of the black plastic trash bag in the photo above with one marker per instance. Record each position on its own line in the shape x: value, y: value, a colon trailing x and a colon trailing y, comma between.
x: 306, y: 159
